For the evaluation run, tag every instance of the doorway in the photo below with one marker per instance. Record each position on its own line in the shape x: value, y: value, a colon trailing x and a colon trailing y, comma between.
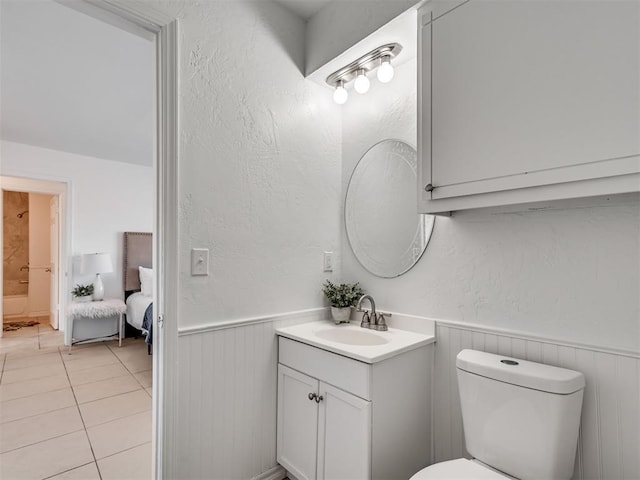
x: 33, y: 241
x: 163, y: 30
x: 30, y: 260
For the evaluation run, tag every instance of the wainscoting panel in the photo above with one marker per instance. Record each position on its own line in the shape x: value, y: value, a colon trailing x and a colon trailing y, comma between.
x: 609, y: 443
x: 228, y: 389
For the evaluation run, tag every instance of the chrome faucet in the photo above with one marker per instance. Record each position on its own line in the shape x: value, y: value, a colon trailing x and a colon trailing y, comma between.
x: 374, y: 321
x: 366, y: 318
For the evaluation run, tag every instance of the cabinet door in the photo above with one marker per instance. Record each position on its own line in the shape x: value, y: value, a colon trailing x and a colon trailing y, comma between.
x: 526, y: 94
x: 344, y: 435
x: 297, y: 423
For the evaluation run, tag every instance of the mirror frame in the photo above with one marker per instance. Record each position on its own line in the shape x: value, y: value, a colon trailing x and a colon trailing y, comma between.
x: 344, y: 212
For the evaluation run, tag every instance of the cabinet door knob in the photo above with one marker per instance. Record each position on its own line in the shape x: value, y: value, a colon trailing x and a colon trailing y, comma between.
x: 319, y: 398
x: 428, y: 187
x: 312, y: 396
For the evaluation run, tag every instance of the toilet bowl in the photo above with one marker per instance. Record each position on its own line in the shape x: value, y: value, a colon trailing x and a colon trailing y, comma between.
x: 461, y: 469
x: 520, y: 420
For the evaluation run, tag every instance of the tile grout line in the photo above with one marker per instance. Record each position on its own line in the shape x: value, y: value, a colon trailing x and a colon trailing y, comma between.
x: 130, y: 372
x: 41, y: 441
x: 119, y: 418
x: 60, y: 473
x: 36, y: 414
x: 4, y: 361
x: 93, y: 454
x: 32, y: 394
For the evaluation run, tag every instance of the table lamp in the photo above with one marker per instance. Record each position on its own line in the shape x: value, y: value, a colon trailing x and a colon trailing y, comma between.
x: 97, y: 263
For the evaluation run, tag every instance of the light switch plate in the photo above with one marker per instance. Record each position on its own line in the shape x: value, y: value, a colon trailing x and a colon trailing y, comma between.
x: 199, y: 261
x: 328, y: 262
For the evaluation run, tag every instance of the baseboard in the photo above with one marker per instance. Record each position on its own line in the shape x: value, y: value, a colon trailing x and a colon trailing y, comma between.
x: 38, y: 314
x: 275, y: 473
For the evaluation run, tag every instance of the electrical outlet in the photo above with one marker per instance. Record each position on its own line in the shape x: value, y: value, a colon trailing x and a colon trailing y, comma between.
x: 328, y: 261
x: 199, y: 261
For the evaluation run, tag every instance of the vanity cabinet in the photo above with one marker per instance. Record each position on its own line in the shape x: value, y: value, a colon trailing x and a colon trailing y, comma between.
x: 323, y: 432
x: 527, y: 101
x: 340, y: 418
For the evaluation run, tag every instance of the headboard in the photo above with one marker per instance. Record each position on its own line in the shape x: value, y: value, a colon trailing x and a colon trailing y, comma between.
x: 138, y: 252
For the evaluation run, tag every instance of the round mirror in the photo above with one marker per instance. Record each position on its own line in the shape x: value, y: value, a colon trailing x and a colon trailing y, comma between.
x: 385, y: 232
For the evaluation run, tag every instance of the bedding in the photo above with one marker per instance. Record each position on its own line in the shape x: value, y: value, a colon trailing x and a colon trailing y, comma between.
x: 146, y: 281
x: 138, y: 282
x: 137, y: 304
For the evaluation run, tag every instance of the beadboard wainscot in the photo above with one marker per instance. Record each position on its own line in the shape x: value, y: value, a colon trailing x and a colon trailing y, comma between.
x: 228, y: 382
x: 610, y: 425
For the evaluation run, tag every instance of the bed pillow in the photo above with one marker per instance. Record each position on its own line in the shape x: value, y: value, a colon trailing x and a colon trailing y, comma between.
x: 146, y: 281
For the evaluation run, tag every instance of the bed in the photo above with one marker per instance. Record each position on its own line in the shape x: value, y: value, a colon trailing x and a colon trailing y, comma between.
x: 138, y: 252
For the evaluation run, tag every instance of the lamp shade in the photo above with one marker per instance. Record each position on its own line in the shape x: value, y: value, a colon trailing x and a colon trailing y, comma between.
x: 96, y: 263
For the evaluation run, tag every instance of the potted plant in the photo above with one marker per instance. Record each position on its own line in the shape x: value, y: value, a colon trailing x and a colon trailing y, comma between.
x: 82, y: 293
x: 342, y: 297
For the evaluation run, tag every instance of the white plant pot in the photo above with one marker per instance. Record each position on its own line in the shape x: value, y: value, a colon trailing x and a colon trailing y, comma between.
x: 340, y: 315
x: 86, y: 298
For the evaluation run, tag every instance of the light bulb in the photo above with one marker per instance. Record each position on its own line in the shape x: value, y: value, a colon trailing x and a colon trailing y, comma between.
x: 385, y: 70
x: 362, y: 83
x: 340, y: 94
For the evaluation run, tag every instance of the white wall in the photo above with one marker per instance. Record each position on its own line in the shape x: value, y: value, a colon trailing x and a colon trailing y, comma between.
x: 570, y: 274
x: 259, y: 163
x: 533, y: 285
x: 260, y: 187
x: 107, y: 198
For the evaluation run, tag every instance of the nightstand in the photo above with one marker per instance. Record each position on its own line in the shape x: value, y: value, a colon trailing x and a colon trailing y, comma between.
x: 97, y: 316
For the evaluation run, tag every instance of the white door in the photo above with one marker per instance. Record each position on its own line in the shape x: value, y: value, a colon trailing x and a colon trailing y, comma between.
x: 344, y: 435
x: 55, y: 254
x: 297, y: 423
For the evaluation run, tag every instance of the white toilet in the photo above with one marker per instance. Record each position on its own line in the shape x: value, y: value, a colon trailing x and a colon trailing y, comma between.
x: 520, y: 420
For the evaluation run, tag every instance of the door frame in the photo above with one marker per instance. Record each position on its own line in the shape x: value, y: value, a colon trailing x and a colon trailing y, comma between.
x: 144, y: 20
x: 60, y: 189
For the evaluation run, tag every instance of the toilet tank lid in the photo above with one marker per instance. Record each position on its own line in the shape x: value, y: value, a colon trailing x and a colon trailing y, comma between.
x: 522, y: 373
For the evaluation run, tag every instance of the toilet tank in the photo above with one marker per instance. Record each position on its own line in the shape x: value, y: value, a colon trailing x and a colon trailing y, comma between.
x: 520, y: 417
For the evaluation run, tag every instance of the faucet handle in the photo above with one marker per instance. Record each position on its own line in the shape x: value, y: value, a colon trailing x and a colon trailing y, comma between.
x: 381, y: 324
x: 366, y: 321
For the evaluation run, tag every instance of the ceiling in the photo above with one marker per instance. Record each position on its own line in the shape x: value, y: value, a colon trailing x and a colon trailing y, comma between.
x: 72, y: 83
x: 305, y: 9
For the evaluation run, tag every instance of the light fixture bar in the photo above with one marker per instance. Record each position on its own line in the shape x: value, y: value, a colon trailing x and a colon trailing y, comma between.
x: 366, y: 62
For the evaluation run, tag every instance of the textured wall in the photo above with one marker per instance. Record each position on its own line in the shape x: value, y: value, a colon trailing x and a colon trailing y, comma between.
x: 260, y: 187
x: 259, y: 162
x: 15, y: 242
x: 569, y: 274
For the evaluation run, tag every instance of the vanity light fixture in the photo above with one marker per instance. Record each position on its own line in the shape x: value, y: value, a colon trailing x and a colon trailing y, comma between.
x: 340, y: 94
x: 385, y: 70
x: 357, y: 70
x: 362, y: 83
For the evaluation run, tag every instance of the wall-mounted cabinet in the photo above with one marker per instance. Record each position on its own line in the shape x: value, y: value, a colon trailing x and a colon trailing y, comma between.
x: 527, y: 101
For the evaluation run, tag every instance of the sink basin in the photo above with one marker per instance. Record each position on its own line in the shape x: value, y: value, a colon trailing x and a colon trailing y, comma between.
x: 351, y: 337
x: 368, y: 346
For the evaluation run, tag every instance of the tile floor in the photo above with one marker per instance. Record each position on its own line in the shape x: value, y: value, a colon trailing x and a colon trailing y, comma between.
x: 85, y: 416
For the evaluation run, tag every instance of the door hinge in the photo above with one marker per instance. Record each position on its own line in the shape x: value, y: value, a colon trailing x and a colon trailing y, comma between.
x: 428, y: 187
x: 161, y: 320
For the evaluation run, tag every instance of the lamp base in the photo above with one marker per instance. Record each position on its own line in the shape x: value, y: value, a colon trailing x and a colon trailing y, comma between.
x: 98, y: 289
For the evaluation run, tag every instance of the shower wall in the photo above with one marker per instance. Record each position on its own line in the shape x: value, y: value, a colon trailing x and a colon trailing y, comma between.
x: 15, y: 242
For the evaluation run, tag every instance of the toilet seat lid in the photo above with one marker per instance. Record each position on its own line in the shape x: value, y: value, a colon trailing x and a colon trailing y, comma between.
x: 461, y: 469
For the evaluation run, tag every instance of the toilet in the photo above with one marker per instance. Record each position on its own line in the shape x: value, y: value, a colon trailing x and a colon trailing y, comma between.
x: 520, y: 420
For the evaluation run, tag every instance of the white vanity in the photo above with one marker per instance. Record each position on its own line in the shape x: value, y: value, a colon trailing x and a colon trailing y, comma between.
x: 353, y: 403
